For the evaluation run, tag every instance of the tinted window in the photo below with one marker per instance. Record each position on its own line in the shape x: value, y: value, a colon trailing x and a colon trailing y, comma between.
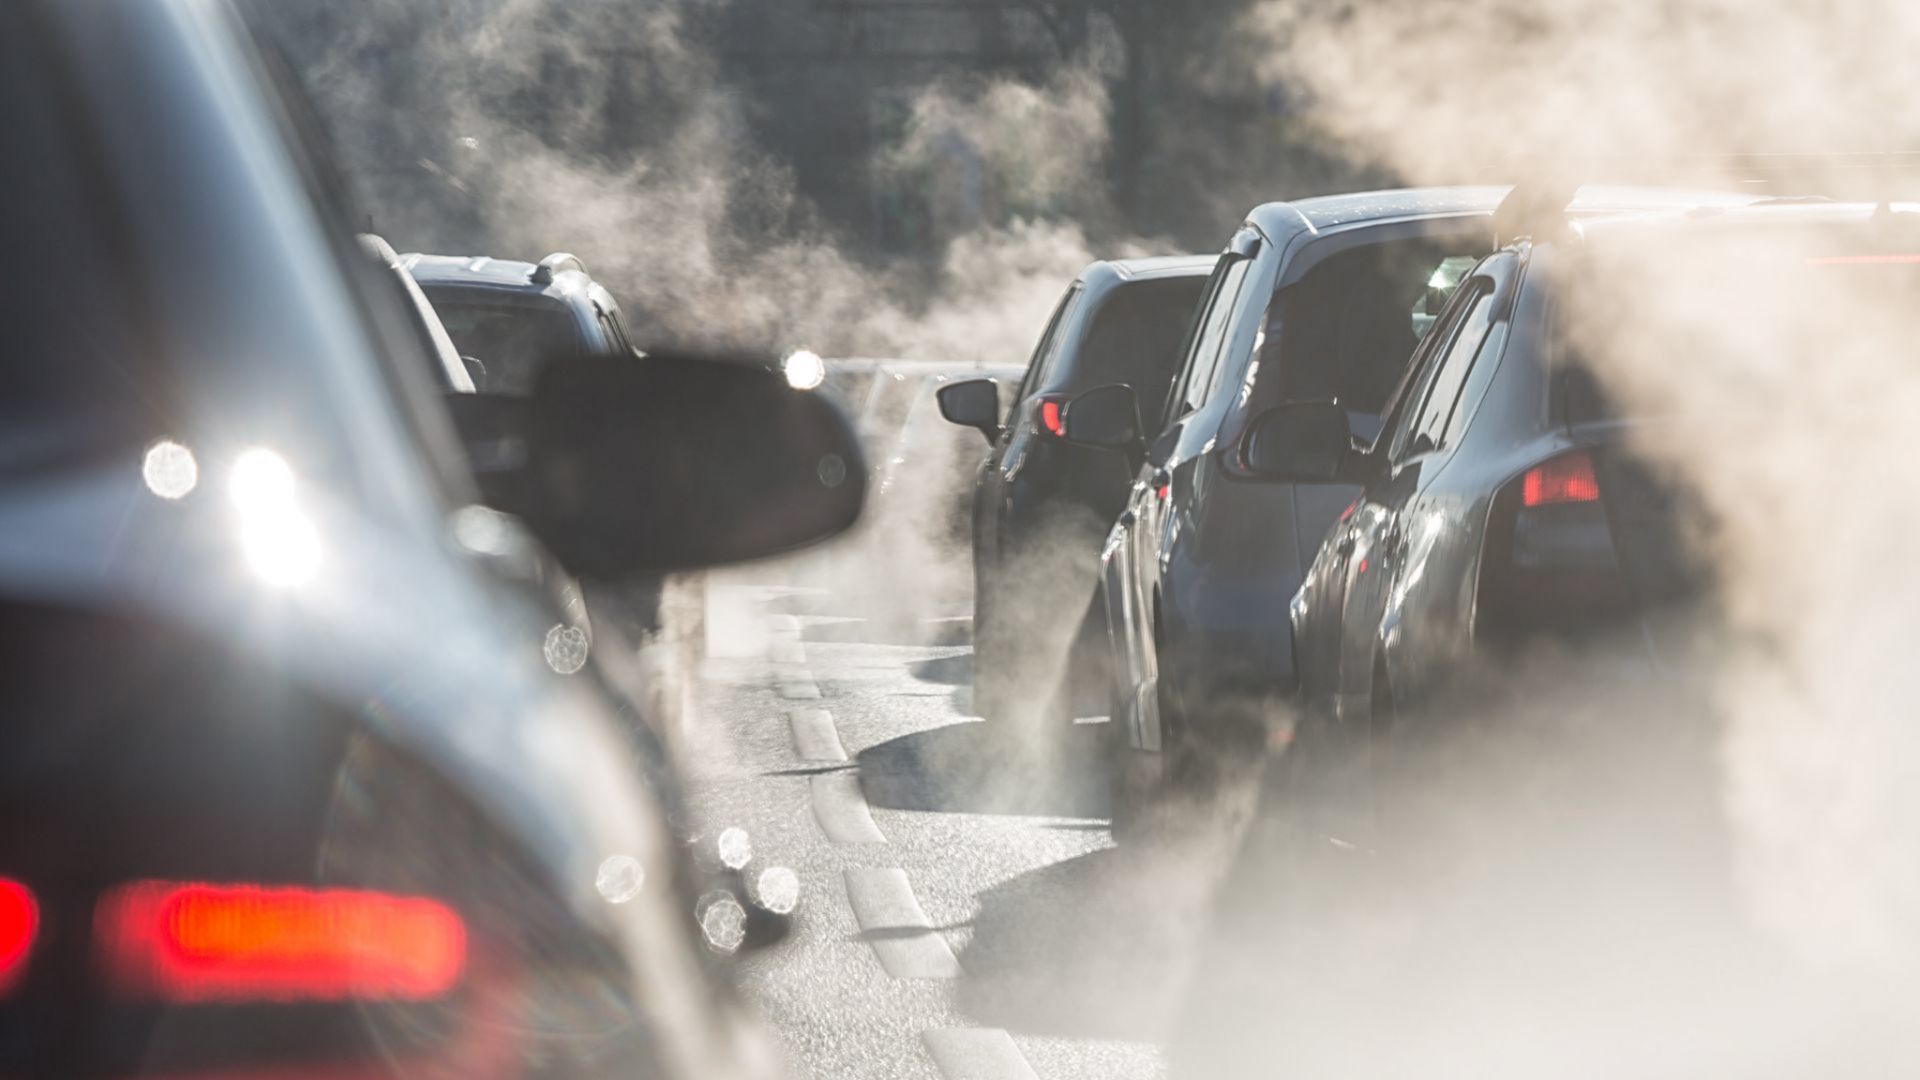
x: 1404, y: 405
x: 1044, y: 352
x: 1346, y: 331
x: 1201, y: 375
x: 511, y: 340
x: 1135, y: 339
x: 1443, y: 397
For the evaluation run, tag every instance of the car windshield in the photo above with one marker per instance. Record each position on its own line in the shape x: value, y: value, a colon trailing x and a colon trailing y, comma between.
x: 511, y: 340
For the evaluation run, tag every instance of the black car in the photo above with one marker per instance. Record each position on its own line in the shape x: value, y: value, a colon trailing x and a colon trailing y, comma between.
x: 1042, y: 504
x: 1508, y: 507
x: 509, y: 316
x: 302, y: 775
x: 1321, y: 299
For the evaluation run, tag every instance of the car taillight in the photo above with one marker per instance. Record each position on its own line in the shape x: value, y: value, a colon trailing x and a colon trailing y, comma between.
x: 190, y: 942
x: 19, y: 925
x: 1053, y: 417
x: 1565, y: 479
x: 1551, y: 564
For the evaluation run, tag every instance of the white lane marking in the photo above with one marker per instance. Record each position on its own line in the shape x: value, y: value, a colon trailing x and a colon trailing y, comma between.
x: 787, y: 651
x: 841, y: 809
x: 800, y: 688
x: 814, y: 736
x: 894, y: 924
x: 977, y: 1054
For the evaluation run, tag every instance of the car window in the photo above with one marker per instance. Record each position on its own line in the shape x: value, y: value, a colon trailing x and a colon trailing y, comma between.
x: 1200, y: 376
x: 1347, y: 330
x: 1044, y: 352
x: 1404, y: 406
x: 1443, y: 395
x: 511, y: 340
x: 1135, y: 339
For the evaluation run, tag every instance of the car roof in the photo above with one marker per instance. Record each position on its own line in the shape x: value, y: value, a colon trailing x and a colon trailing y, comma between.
x: 1160, y: 266
x: 566, y: 280
x: 1763, y: 215
x: 1325, y: 213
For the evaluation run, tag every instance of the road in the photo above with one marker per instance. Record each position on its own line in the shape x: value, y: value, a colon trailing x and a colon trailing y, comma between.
x: 964, y: 911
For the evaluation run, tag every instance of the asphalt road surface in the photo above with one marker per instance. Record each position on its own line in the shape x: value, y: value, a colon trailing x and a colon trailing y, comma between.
x: 964, y: 913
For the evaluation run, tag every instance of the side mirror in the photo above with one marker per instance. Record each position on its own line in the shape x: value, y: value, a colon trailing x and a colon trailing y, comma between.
x: 973, y: 403
x: 1105, y: 416
x: 1305, y: 442
x: 672, y: 463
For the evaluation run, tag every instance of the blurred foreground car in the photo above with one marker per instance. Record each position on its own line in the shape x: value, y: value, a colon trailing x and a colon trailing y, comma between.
x: 1319, y: 300
x: 1507, y: 504
x: 301, y: 777
x: 1041, y: 505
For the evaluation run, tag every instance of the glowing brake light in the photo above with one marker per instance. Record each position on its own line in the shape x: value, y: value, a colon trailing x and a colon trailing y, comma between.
x: 195, y: 942
x: 1566, y: 479
x: 19, y: 925
x: 1052, y: 417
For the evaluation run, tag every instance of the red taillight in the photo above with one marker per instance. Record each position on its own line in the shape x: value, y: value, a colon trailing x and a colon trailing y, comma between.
x: 193, y: 942
x: 1051, y: 417
x: 19, y: 924
x: 1565, y: 479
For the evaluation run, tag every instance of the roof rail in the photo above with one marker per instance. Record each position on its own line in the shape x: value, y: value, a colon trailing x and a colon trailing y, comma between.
x: 1540, y: 202
x: 557, y: 263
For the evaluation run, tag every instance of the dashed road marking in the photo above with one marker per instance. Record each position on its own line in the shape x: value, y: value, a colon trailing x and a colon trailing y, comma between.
x: 814, y: 736
x: 841, y: 809
x: 799, y: 689
x: 786, y: 650
x: 977, y: 1054
x: 892, y: 921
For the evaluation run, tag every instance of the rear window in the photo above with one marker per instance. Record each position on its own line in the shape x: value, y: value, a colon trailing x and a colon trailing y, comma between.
x: 1135, y: 339
x: 1347, y: 330
x: 511, y: 341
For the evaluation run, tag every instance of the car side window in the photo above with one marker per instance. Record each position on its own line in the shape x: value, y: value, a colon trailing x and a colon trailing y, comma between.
x: 1404, y: 409
x: 1044, y: 353
x: 1443, y: 395
x: 1199, y: 380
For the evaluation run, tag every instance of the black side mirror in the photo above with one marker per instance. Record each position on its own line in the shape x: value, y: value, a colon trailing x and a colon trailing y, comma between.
x: 674, y: 462
x: 1305, y: 442
x: 973, y: 403
x: 1105, y: 416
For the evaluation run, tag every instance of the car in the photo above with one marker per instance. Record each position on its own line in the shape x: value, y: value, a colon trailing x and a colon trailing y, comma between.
x: 1041, y: 504
x: 302, y: 777
x: 1508, y: 507
x: 455, y: 374
x: 508, y: 316
x: 1319, y: 299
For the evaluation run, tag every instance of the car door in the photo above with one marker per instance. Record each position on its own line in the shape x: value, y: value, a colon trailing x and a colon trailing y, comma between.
x: 1384, y: 527
x: 1152, y: 517
x: 991, y: 487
